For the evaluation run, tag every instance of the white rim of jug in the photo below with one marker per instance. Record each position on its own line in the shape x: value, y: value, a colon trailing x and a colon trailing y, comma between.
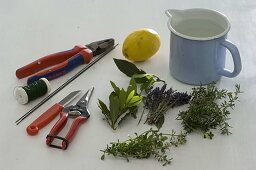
x: 201, y: 38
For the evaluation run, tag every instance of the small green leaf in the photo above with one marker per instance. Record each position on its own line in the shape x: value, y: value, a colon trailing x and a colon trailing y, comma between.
x: 112, y: 94
x: 114, y: 107
x: 146, y: 76
x: 134, y: 101
x: 160, y: 122
x: 133, y: 111
x: 127, y: 67
x: 116, y: 89
x: 122, y: 99
x: 163, y: 138
x: 130, y: 96
x: 102, y: 157
x: 120, y: 118
x: 142, y: 78
x: 145, y: 86
x: 103, y: 107
x: 132, y: 86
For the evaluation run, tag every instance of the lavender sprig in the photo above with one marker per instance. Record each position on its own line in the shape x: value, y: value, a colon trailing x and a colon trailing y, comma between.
x: 159, y: 100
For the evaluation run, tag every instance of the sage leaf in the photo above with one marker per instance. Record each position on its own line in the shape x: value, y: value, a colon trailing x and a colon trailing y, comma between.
x: 121, y: 104
x: 130, y: 96
x: 135, y: 100
x: 122, y: 99
x: 103, y: 107
x: 120, y: 118
x: 133, y: 111
x: 132, y: 86
x: 114, y: 107
x: 116, y: 89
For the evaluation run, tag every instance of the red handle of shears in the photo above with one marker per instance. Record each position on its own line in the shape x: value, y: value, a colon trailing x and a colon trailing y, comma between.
x: 59, y: 126
x: 44, y: 119
x: 47, y: 61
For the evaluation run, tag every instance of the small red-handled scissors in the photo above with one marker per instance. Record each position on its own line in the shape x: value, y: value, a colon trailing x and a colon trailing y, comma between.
x: 79, y: 112
x: 63, y: 62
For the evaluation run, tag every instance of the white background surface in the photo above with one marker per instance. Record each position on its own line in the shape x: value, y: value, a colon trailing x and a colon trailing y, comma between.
x: 31, y: 29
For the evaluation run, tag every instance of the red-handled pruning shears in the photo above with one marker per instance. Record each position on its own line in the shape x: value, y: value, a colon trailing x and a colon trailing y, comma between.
x: 80, y: 114
x: 63, y: 62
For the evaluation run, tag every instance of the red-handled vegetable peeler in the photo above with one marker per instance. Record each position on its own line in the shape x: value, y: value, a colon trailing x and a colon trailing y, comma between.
x: 63, y: 62
x: 79, y: 112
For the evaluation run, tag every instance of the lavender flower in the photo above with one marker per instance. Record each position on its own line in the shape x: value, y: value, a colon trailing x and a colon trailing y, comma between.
x: 159, y: 100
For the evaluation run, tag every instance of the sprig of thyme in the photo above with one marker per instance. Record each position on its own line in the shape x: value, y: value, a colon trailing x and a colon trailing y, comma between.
x: 209, y: 109
x: 150, y: 143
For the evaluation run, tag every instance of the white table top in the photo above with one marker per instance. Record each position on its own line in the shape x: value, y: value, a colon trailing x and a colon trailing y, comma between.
x: 31, y: 29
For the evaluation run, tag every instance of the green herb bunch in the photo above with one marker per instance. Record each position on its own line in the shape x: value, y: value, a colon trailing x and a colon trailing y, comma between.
x: 159, y: 100
x: 209, y: 109
x: 144, y: 80
x: 150, y: 143
x: 121, y: 104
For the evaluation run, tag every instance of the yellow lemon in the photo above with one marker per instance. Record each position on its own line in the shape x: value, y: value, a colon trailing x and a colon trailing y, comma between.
x: 141, y: 44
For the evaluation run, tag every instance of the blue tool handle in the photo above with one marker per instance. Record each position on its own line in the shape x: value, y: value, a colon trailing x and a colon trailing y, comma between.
x: 47, y: 61
x: 82, y: 57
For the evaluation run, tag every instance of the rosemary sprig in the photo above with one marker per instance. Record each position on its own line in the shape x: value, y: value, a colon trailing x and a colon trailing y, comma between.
x: 209, y: 109
x: 150, y: 143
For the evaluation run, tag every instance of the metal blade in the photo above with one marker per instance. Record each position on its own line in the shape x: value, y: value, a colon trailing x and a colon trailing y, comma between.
x: 70, y: 97
x: 98, y: 47
x: 83, y: 102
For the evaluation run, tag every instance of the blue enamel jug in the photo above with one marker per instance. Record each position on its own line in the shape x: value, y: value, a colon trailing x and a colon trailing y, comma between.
x: 198, y: 46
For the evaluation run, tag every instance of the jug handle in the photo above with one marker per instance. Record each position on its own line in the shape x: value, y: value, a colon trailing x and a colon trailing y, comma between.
x: 236, y: 59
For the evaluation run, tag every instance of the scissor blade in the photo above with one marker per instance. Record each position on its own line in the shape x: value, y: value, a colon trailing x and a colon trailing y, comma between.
x: 70, y: 97
x: 85, y: 99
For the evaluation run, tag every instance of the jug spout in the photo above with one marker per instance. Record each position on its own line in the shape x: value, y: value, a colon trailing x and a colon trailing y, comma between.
x: 173, y: 12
